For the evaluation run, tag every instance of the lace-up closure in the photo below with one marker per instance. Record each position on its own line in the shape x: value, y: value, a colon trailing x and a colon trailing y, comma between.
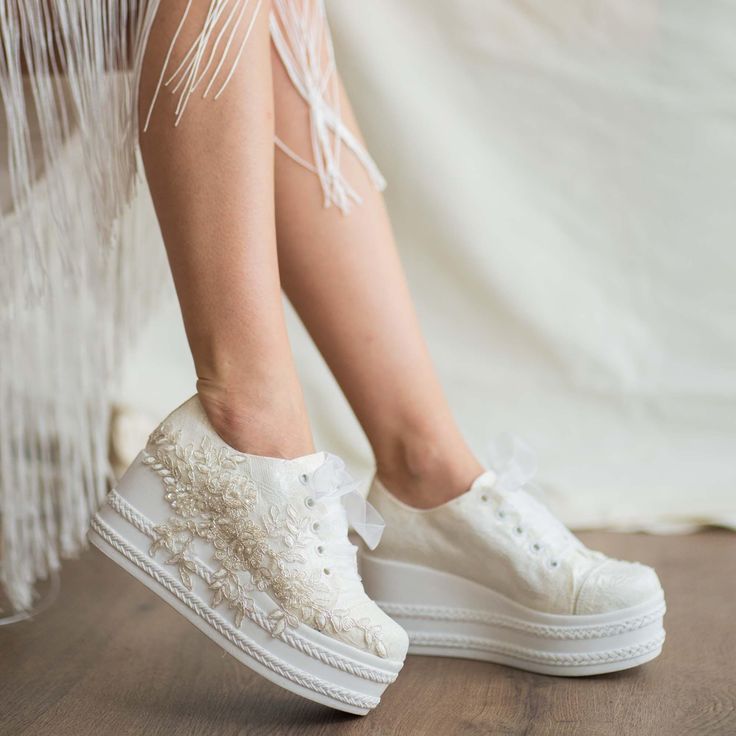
x: 331, y: 483
x: 526, y: 519
x: 510, y: 486
x: 335, y: 501
x: 329, y: 525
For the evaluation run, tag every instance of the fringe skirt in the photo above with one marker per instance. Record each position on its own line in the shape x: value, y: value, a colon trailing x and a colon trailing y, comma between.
x: 76, y: 280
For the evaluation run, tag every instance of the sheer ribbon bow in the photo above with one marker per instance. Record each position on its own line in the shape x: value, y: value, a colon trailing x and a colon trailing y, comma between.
x: 331, y: 480
x: 514, y: 464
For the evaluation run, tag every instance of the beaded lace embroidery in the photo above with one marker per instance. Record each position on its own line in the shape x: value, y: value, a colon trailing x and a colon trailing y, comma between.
x: 216, y: 500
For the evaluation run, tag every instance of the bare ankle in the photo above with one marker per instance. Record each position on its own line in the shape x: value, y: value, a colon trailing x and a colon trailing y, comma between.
x: 426, y: 470
x: 258, y: 422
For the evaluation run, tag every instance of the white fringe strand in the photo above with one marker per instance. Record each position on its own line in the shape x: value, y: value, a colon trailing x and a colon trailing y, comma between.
x: 300, y: 33
x: 223, y: 22
x: 76, y: 278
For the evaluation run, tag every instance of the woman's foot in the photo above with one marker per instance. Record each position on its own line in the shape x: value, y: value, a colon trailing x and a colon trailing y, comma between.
x: 254, y: 552
x: 493, y: 575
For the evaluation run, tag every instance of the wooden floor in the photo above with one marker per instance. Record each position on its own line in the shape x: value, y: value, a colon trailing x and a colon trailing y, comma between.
x: 110, y: 658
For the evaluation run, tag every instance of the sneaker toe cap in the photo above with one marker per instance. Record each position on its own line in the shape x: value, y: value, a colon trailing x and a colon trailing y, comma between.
x: 615, y: 585
x: 376, y: 632
x: 395, y: 639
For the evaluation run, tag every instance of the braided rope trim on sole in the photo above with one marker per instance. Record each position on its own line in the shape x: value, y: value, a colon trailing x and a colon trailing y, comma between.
x: 546, y: 631
x: 529, y: 655
x: 219, y: 624
x: 365, y: 672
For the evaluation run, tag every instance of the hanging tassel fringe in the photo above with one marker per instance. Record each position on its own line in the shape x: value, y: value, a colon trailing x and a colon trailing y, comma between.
x: 300, y: 33
x: 76, y: 280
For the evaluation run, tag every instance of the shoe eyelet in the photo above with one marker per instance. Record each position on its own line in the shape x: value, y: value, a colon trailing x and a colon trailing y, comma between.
x: 536, y: 547
x: 320, y: 549
x: 554, y: 563
x: 326, y: 571
x: 484, y: 498
x: 309, y: 502
x: 518, y: 531
x: 501, y: 514
x: 303, y: 478
x: 315, y: 526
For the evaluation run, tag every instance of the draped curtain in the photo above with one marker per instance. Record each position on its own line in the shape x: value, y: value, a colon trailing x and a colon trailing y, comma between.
x: 560, y: 178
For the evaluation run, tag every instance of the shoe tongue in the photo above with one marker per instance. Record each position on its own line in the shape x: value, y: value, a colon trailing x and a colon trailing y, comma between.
x: 484, y: 480
x: 267, y: 470
x: 308, y: 463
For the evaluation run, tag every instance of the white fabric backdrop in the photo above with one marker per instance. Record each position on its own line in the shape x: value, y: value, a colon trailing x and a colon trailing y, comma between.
x: 561, y: 182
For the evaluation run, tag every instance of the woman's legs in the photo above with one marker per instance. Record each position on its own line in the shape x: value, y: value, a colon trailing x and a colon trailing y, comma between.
x: 344, y: 277
x: 342, y: 274
x: 211, y: 179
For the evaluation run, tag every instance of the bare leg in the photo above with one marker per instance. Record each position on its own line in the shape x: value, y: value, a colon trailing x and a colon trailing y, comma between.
x: 344, y: 277
x: 212, y: 184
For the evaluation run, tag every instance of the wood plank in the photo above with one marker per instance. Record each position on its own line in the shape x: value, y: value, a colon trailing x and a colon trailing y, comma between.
x: 110, y: 658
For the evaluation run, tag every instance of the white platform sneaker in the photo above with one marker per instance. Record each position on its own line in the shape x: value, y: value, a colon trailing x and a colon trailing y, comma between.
x: 493, y: 575
x: 254, y: 552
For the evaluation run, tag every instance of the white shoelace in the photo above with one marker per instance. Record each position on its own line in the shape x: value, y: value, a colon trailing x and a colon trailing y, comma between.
x: 515, y: 465
x: 344, y: 507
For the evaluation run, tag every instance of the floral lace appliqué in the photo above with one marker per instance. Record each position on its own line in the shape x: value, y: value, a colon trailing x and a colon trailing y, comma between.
x: 215, y: 500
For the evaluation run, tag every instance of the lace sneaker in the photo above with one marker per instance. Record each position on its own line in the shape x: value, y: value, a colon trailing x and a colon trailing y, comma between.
x: 254, y: 551
x: 493, y: 575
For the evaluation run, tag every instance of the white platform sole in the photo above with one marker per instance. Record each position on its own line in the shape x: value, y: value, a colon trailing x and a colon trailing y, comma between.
x: 448, y: 616
x: 301, y: 660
